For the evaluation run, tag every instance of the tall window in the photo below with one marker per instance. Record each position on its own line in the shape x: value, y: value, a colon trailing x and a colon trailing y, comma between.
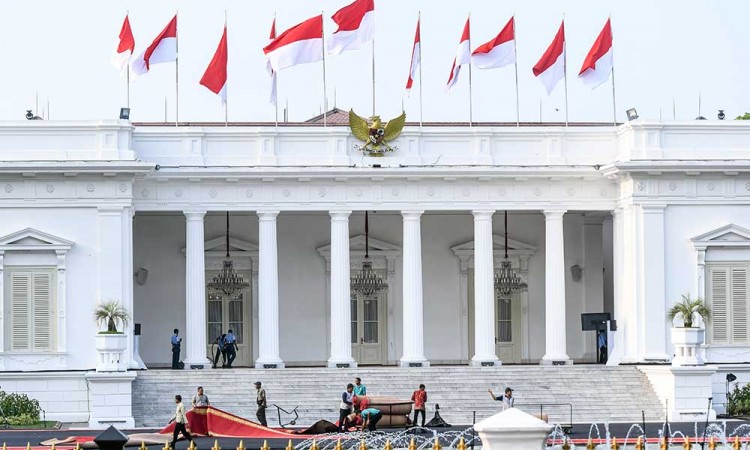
x: 727, y: 293
x: 32, y: 305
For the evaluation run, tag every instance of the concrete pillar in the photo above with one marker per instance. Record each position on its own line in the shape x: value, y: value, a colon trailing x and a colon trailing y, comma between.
x: 194, y: 337
x: 413, y: 315
x: 556, y: 348
x: 484, y: 291
x: 341, y: 346
x: 268, y: 293
x: 654, y: 291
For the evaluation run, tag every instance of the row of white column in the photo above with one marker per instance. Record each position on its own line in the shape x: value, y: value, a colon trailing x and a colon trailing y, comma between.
x: 413, y: 322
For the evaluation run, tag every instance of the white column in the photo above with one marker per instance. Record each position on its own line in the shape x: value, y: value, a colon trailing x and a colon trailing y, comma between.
x: 341, y: 316
x: 268, y: 293
x: 592, y: 278
x: 110, y: 263
x: 413, y: 316
x: 484, y: 291
x: 127, y: 285
x: 654, y: 298
x: 554, y: 289
x: 194, y: 337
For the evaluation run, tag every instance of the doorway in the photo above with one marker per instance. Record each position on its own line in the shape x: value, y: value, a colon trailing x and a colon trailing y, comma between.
x: 368, y: 327
x: 224, y: 313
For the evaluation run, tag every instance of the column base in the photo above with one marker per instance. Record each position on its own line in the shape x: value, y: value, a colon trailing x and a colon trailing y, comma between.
x: 656, y: 357
x: 485, y: 361
x: 414, y: 362
x: 560, y: 360
x: 197, y: 364
x: 341, y: 363
x: 269, y: 364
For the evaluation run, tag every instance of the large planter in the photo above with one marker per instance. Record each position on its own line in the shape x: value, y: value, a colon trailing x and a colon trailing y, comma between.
x: 687, y: 343
x: 109, y: 349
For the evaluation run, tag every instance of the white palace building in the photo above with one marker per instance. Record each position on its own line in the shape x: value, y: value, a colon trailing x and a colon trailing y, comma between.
x: 601, y: 219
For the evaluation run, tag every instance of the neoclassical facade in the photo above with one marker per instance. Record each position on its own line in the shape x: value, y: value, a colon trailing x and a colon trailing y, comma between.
x: 621, y: 220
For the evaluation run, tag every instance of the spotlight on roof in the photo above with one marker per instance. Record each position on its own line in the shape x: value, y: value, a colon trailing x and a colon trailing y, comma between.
x: 125, y: 113
x: 632, y: 114
x: 731, y: 377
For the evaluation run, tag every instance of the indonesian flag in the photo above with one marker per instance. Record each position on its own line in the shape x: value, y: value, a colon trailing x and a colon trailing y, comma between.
x: 125, y: 47
x: 356, y: 26
x: 162, y: 50
x: 598, y: 63
x: 551, y: 68
x: 463, y: 56
x: 301, y: 44
x: 272, y: 36
x: 499, y: 52
x: 215, y: 77
x: 414, y: 67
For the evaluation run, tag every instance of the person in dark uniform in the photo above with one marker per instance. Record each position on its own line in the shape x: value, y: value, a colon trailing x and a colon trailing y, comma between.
x: 260, y: 399
x: 230, y: 344
x: 176, y: 341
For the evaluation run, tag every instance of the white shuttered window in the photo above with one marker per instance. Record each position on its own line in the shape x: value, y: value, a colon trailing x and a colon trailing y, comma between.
x: 32, y: 305
x: 727, y: 293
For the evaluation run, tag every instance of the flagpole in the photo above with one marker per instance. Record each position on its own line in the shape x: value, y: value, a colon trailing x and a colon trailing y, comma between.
x: 226, y: 101
x: 515, y: 54
x: 373, y: 75
x: 471, y: 97
x: 421, y: 110
x: 275, y: 84
x: 127, y: 69
x: 565, y: 70
x: 614, y: 101
x: 325, y: 91
x: 176, y: 74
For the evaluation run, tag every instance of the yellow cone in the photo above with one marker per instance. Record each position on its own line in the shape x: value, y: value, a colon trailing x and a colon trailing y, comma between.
x: 461, y: 444
x: 615, y: 445
x: 412, y: 444
x: 289, y: 445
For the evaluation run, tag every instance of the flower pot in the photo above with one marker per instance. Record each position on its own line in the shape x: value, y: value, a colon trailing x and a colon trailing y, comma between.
x: 109, y: 348
x: 687, y: 343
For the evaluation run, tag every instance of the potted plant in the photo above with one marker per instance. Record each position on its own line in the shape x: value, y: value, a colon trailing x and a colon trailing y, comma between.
x: 687, y: 339
x: 110, y: 343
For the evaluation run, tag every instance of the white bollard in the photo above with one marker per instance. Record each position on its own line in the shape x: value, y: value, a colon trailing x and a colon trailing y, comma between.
x: 513, y: 429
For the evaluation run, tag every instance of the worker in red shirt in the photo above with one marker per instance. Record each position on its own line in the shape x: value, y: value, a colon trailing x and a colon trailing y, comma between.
x: 419, y: 397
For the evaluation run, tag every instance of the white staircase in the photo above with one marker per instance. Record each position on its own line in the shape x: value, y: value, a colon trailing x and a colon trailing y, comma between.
x: 597, y: 393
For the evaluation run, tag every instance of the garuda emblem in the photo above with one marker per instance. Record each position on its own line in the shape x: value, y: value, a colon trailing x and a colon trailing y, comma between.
x: 375, y: 134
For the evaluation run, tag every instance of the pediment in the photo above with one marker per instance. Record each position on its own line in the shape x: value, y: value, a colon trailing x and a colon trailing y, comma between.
x: 515, y: 246
x: 30, y: 239
x: 219, y: 245
x: 357, y: 244
x: 727, y: 236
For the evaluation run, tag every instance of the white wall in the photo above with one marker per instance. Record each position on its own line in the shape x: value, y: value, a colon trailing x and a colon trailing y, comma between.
x: 62, y: 395
x: 160, y: 304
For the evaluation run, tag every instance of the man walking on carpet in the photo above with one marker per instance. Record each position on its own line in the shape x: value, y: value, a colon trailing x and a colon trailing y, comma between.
x: 180, y: 421
x: 260, y: 399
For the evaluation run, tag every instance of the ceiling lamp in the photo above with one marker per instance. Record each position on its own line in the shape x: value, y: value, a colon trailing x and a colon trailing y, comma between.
x: 366, y: 281
x: 228, y: 281
x: 507, y: 281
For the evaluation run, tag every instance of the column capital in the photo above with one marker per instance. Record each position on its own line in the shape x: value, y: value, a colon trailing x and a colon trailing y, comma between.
x: 194, y: 214
x: 110, y: 210
x: 412, y: 214
x: 554, y: 213
x: 267, y: 215
x: 483, y: 213
x: 652, y: 208
x: 340, y: 214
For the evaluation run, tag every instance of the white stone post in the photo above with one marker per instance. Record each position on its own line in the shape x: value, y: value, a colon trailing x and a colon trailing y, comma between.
x: 341, y: 316
x: 194, y: 337
x: 484, y: 291
x: 556, y: 350
x: 654, y: 298
x: 413, y: 316
x: 268, y: 293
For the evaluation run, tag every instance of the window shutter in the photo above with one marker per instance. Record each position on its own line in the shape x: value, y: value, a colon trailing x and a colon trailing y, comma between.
x: 20, y: 303
x: 42, y: 304
x: 739, y: 304
x: 719, y: 299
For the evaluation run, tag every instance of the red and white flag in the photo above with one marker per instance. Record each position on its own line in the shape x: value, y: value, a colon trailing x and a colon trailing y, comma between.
x: 272, y: 36
x: 551, y: 68
x: 598, y: 63
x: 356, y: 26
x: 463, y: 56
x: 415, y: 60
x: 499, y: 52
x: 125, y: 47
x: 301, y: 44
x: 215, y: 77
x: 162, y: 50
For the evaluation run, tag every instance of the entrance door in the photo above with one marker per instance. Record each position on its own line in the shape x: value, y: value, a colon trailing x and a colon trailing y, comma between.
x: 226, y: 313
x: 368, y: 331
x: 507, y: 325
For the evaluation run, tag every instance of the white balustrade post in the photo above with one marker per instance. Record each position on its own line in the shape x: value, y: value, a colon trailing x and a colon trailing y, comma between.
x: 194, y: 338
x: 413, y: 315
x: 556, y: 350
x: 268, y: 293
x: 341, y: 346
x: 484, y: 291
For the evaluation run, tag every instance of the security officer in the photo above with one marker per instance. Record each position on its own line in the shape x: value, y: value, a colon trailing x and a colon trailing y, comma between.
x: 231, y: 347
x: 176, y: 340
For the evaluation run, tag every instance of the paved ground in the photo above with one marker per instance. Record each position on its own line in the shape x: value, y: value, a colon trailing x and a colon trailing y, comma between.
x: 15, y: 438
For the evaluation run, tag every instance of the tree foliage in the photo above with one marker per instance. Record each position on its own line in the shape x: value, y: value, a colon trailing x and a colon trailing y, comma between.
x: 688, y: 309
x: 110, y: 313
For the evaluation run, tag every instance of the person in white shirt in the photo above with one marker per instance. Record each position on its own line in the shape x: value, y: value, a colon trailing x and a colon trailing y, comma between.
x: 200, y: 399
x: 180, y: 421
x: 507, y: 399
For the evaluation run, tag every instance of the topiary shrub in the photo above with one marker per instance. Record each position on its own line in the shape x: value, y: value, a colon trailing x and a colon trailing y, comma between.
x: 19, y: 409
